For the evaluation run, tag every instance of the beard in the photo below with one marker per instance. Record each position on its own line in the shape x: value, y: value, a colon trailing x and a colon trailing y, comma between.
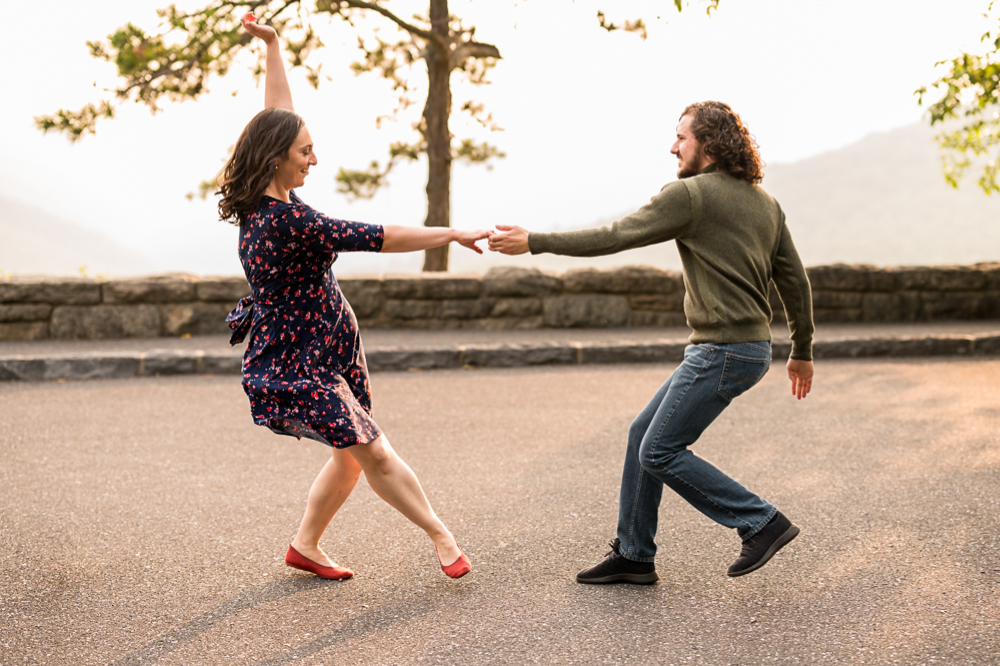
x: 692, y: 168
x: 687, y: 172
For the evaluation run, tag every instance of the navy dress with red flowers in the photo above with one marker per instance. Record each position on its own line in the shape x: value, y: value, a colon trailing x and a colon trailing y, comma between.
x: 304, y: 369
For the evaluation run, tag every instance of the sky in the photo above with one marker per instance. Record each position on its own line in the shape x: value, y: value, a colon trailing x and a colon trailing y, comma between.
x: 588, y: 117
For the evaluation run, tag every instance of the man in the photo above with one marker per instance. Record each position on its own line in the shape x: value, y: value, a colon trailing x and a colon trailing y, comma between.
x: 733, y: 241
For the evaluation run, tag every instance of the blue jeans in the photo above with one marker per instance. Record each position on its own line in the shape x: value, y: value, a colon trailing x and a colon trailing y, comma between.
x: 704, y: 384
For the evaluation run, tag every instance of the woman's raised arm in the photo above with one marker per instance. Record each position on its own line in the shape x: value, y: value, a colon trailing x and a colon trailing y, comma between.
x: 277, y: 94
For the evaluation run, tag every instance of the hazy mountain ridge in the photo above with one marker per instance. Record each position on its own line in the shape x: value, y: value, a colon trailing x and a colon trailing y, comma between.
x: 35, y: 242
x: 884, y: 201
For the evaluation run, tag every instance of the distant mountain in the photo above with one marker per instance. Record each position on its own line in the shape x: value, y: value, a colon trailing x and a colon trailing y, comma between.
x: 884, y: 201
x: 33, y: 242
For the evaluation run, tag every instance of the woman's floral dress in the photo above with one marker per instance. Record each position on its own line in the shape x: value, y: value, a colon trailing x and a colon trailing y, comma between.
x: 304, y: 369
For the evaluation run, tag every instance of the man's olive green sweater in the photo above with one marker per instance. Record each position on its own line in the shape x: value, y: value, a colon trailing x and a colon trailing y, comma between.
x: 733, y: 241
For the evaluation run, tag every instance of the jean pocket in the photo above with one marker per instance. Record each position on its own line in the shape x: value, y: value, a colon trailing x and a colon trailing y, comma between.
x: 740, y: 374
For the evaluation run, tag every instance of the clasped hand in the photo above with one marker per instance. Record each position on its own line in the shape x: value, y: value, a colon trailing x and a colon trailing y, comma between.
x: 509, y: 240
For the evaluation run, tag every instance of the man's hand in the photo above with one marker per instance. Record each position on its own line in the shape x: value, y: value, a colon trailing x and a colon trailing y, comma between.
x: 510, y: 240
x: 264, y: 32
x: 801, y: 374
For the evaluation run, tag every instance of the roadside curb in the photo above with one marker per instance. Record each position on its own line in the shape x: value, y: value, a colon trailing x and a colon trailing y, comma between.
x: 166, y: 362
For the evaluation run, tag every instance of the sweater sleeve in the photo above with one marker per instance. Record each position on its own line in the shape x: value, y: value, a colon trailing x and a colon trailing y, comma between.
x: 668, y: 215
x: 792, y: 284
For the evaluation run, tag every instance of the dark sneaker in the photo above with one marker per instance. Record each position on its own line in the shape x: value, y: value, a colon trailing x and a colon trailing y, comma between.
x: 761, y: 547
x: 617, y: 569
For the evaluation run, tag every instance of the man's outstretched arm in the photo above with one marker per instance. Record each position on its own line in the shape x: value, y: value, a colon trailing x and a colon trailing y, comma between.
x: 668, y: 215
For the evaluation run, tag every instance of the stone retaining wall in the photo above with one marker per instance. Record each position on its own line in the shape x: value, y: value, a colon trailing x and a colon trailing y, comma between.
x: 503, y: 298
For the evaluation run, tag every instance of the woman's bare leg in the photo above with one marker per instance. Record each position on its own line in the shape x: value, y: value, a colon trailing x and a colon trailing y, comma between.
x: 328, y: 492
x: 394, y: 481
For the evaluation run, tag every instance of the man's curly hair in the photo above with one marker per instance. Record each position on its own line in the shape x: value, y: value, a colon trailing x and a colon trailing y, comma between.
x: 726, y: 140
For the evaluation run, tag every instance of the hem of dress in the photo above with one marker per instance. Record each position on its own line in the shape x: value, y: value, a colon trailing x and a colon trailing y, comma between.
x: 298, y: 430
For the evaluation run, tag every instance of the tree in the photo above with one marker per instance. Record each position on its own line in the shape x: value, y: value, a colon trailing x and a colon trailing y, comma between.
x: 176, y: 63
x: 970, y: 91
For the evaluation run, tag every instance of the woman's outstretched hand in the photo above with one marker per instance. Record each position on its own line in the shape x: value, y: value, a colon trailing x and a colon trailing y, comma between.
x: 510, y: 240
x: 469, y: 238
x: 264, y: 32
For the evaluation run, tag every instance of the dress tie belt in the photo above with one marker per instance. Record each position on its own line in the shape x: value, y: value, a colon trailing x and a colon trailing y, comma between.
x: 240, y: 319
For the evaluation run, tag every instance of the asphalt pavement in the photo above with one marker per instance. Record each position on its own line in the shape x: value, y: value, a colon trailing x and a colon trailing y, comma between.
x: 143, y: 521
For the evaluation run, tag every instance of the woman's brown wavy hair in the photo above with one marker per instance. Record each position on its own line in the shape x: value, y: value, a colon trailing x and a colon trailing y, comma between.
x: 726, y: 140
x: 264, y: 142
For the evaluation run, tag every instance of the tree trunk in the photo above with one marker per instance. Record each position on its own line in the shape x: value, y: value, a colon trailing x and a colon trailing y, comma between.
x: 438, y: 136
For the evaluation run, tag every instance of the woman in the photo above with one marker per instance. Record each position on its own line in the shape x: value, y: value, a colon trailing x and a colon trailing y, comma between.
x: 304, y: 369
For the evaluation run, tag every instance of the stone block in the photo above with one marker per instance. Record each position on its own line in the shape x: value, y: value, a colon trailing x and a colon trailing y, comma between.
x: 989, y: 305
x: 911, y: 306
x: 416, y: 324
x: 364, y: 295
x: 952, y: 305
x: 513, y: 281
x: 164, y: 362
x: 642, y: 318
x: 991, y: 274
x: 940, y: 278
x: 224, y: 289
x: 76, y: 367
x: 436, y: 286
x: 31, y: 330
x: 836, y: 300
x: 102, y: 322
x: 411, y: 309
x: 850, y: 316
x: 54, y: 291
x: 466, y: 308
x: 516, y: 307
x: 216, y: 363
x: 504, y: 324
x: 635, y: 352
x: 932, y: 346
x: 625, y: 280
x: 194, y: 319
x: 986, y: 344
x: 658, y: 303
x: 513, y: 356
x: 881, y: 279
x: 840, y: 277
x: 579, y: 311
x: 781, y: 350
x: 156, y: 289
x: 397, y: 360
x: 881, y: 307
x: 24, y: 312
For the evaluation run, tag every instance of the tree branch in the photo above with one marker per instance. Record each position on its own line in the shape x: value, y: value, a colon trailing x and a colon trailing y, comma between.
x: 408, y: 27
x: 473, y: 50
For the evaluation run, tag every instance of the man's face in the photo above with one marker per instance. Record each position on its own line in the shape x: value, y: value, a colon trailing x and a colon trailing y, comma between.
x: 690, y: 153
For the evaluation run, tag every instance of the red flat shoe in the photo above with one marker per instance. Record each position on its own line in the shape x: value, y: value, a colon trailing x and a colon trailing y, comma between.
x: 458, y: 568
x: 294, y: 558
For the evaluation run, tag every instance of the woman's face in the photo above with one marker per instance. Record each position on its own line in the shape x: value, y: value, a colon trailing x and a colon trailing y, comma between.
x: 294, y: 168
